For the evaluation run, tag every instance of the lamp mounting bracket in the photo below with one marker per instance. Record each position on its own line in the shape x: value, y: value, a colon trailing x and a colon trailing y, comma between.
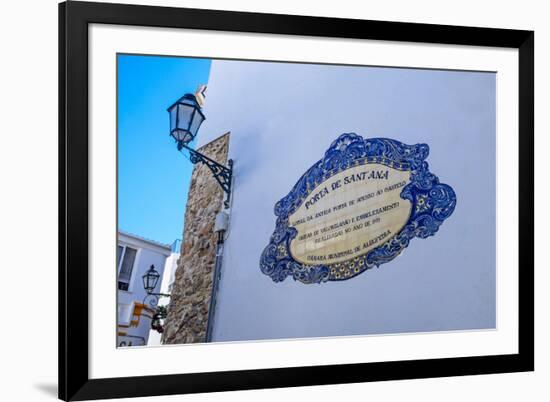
x: 222, y: 174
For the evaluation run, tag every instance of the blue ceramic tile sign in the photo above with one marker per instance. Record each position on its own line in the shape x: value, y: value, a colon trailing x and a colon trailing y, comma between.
x: 355, y: 209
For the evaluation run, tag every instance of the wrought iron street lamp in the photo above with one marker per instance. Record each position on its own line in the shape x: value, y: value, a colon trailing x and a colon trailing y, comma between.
x: 186, y: 118
x: 150, y: 279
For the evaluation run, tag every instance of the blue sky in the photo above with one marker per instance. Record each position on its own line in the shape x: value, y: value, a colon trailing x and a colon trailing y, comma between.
x: 153, y: 178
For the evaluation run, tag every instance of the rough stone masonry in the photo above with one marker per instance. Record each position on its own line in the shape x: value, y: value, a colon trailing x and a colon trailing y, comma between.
x: 187, y: 318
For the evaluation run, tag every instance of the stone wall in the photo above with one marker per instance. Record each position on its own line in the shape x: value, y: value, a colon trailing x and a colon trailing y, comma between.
x: 187, y: 318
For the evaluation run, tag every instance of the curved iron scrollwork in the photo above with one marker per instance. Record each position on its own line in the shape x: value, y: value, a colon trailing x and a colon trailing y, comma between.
x: 151, y: 300
x: 432, y: 203
x: 222, y: 174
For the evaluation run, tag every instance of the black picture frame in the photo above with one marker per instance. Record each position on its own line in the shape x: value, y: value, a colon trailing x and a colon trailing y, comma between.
x: 74, y: 18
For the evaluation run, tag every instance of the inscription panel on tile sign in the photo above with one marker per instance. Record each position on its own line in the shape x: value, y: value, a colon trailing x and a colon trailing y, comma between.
x: 351, y: 213
x: 356, y: 208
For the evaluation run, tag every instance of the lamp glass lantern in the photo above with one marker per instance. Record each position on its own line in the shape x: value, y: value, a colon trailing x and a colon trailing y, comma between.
x: 150, y: 279
x: 186, y: 118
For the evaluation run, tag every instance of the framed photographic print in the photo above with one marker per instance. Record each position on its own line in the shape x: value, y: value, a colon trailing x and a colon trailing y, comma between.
x: 258, y: 201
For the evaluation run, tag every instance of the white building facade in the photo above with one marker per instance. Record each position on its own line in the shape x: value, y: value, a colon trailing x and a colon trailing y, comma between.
x: 135, y: 256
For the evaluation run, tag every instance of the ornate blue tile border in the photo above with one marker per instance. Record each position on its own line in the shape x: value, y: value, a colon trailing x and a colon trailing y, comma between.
x: 432, y: 203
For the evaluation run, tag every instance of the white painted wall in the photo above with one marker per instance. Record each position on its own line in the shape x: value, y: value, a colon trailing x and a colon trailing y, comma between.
x: 282, y: 119
x: 170, y: 268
